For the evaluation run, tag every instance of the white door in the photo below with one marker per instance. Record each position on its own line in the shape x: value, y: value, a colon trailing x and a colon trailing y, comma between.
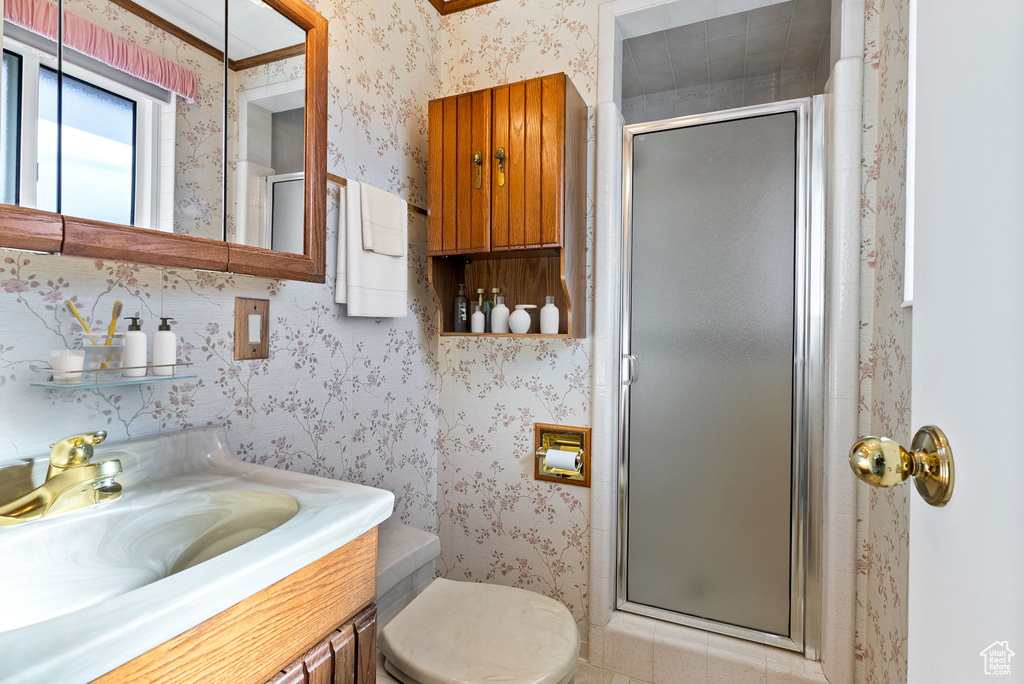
x: 967, y: 559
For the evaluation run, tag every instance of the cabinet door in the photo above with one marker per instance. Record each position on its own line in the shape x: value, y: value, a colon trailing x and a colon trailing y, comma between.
x: 528, y: 124
x: 460, y: 174
x: 347, y: 655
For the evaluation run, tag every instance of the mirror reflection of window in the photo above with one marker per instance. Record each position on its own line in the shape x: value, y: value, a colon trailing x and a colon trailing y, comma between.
x: 97, y: 150
x: 10, y: 127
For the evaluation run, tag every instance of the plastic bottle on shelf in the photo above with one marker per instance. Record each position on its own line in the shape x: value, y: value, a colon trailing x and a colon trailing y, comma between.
x: 476, y: 324
x: 499, y: 316
x: 461, y: 310
x: 489, y: 308
x: 135, y: 347
x: 520, y: 320
x: 549, y: 317
x: 165, y: 348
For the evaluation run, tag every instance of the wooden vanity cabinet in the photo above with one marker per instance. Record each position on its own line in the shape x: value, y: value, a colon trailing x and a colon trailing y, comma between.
x: 507, y: 196
x: 316, y: 625
x: 346, y: 656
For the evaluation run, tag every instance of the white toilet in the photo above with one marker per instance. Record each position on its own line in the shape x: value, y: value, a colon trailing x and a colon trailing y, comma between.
x: 436, y: 631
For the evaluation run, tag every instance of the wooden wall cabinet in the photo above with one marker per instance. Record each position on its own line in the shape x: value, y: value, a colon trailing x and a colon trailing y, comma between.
x: 507, y: 195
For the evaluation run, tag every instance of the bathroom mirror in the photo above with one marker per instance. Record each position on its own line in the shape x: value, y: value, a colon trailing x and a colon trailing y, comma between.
x: 148, y: 162
x: 28, y: 127
x: 266, y: 131
x: 142, y: 114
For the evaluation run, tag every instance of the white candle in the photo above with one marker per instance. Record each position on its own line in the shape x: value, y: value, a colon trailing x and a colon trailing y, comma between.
x: 67, y: 360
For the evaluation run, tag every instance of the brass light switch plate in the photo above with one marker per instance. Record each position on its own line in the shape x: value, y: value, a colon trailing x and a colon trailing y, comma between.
x: 252, y: 328
x: 566, y: 442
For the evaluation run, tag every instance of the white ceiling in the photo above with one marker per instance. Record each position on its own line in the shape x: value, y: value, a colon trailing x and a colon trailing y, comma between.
x: 255, y: 27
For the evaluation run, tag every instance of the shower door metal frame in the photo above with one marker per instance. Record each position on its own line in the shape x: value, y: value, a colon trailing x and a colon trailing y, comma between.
x: 808, y: 376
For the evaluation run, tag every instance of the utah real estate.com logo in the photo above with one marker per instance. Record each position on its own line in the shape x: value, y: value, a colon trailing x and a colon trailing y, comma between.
x: 997, y: 658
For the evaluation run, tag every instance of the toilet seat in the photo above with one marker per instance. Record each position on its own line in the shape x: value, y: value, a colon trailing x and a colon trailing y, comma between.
x: 468, y: 633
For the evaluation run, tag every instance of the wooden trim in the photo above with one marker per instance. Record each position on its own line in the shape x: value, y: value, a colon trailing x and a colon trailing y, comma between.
x: 256, y: 638
x: 23, y: 228
x: 573, y: 223
x: 203, y: 46
x: 87, y: 238
x: 266, y: 263
x: 343, y: 182
x: 300, y: 14
x: 311, y: 265
x: 173, y: 29
x: 452, y: 6
x: 267, y: 57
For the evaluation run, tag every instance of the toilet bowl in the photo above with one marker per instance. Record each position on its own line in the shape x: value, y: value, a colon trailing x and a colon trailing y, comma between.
x: 436, y: 631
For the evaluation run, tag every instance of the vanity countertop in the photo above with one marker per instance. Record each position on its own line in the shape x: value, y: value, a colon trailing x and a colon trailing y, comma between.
x: 111, y: 575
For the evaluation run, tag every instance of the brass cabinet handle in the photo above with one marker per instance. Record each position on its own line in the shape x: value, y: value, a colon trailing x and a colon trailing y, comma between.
x: 881, y: 462
x: 500, y: 156
x: 478, y: 176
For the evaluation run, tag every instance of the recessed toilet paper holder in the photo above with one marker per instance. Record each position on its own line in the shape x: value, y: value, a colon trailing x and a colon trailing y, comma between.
x: 569, y: 449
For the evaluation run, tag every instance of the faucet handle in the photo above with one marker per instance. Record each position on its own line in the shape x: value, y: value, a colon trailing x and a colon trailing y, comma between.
x: 75, y: 450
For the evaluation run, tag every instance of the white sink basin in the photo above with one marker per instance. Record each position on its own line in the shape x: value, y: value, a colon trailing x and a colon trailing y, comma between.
x: 194, y: 532
x: 91, y: 559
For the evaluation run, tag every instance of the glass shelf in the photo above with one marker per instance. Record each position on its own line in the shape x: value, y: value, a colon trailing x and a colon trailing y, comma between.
x: 91, y: 378
x: 149, y: 379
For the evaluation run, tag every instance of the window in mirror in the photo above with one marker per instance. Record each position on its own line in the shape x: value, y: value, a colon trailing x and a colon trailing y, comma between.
x: 27, y: 146
x: 10, y: 127
x: 166, y: 57
x: 98, y: 149
x: 267, y: 132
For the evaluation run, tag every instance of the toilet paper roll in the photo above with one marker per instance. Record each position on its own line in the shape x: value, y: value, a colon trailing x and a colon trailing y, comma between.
x: 563, y: 459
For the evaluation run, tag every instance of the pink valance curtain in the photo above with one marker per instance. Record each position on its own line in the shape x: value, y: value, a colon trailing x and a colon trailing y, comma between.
x: 40, y: 17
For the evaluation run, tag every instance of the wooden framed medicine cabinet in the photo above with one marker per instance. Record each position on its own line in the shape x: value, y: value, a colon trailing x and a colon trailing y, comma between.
x: 507, y: 196
x: 36, y: 230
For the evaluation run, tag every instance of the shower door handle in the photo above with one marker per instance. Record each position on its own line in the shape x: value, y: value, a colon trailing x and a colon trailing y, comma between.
x: 628, y: 369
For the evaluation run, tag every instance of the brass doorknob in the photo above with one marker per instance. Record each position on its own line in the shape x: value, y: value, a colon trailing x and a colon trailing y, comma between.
x: 881, y: 462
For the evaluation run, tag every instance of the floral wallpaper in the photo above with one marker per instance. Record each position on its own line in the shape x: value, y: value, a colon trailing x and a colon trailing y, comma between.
x: 496, y: 523
x: 446, y: 424
x: 885, y: 342
x: 349, y: 398
x: 198, y: 201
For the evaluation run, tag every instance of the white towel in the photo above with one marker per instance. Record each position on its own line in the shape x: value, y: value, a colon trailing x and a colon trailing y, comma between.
x: 385, y: 221
x: 370, y: 284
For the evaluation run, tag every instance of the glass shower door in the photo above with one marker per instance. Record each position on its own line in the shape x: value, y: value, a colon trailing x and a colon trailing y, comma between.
x: 714, y: 331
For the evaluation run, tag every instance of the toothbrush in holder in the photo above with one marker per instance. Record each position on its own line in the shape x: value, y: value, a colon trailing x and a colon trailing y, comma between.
x: 81, y: 321
x: 115, y: 314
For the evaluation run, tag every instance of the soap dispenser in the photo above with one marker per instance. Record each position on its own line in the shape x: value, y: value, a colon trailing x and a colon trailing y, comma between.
x: 135, y: 344
x: 165, y: 348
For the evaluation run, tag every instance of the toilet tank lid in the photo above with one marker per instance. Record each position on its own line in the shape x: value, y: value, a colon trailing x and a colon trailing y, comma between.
x: 401, y: 551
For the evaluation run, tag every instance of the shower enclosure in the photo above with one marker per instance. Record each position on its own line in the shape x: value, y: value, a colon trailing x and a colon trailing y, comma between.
x: 721, y: 400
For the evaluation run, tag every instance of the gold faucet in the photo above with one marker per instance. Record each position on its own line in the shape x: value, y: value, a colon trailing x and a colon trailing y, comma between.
x: 71, y: 482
